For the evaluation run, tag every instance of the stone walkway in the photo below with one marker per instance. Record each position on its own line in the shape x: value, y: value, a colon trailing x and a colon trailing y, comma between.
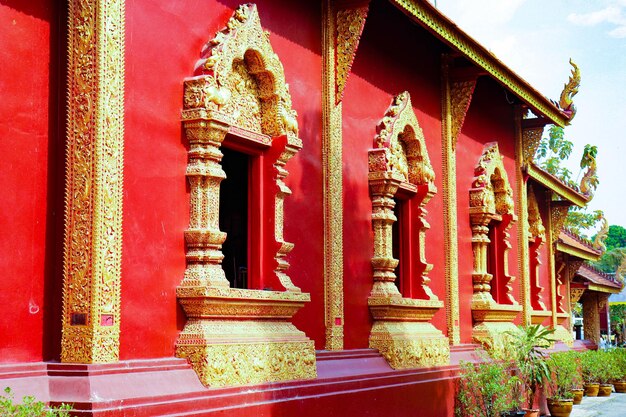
x: 613, y: 406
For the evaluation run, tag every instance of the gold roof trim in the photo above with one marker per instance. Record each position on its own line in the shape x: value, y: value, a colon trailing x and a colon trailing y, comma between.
x: 577, y: 252
x: 444, y: 28
x: 605, y: 289
x: 551, y: 182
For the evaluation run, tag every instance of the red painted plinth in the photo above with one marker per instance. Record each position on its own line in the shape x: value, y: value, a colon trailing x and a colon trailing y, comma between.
x: 354, y: 382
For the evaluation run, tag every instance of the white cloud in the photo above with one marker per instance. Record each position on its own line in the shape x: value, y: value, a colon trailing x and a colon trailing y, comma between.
x: 614, y: 14
x: 619, y: 32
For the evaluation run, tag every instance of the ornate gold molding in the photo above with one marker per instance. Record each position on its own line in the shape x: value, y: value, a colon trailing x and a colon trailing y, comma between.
x: 239, y: 336
x: 399, y: 160
x: 350, y: 23
x: 430, y: 17
x: 450, y: 222
x: 94, y: 181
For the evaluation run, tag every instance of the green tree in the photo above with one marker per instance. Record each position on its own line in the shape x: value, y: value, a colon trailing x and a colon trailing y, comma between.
x: 610, y: 260
x: 616, y: 237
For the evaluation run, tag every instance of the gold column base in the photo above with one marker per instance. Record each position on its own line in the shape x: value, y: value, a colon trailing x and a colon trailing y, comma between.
x: 240, y: 352
x: 561, y: 332
x: 403, y: 335
x: 493, y: 322
x: 238, y: 337
x: 539, y: 316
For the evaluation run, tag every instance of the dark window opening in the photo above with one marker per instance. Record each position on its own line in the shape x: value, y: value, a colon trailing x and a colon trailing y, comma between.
x: 234, y: 217
x: 492, y: 260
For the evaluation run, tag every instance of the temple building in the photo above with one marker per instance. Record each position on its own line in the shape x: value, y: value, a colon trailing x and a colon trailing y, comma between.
x: 272, y: 209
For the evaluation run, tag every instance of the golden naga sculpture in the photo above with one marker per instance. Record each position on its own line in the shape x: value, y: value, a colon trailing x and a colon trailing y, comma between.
x: 589, y: 181
x: 570, y: 89
x: 598, y: 242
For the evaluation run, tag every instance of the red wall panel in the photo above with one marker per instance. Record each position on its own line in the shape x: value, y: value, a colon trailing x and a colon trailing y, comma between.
x: 24, y: 130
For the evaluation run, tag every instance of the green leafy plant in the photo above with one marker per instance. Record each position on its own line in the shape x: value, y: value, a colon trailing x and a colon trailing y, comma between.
x: 565, y: 368
x: 486, y: 389
x: 618, y: 357
x: 29, y: 407
x: 598, y: 367
x: 529, y: 344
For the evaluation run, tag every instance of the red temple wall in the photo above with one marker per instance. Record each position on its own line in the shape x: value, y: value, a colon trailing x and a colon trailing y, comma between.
x: 27, y: 129
x: 162, y: 46
x: 490, y: 118
x: 369, y: 91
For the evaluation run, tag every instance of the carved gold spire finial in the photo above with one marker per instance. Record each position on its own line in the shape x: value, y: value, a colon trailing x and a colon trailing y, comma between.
x: 570, y: 89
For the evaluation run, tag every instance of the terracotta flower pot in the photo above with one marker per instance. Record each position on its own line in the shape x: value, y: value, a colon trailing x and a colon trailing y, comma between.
x: 560, y: 407
x: 605, y: 390
x: 578, y: 395
x: 531, y: 413
x: 591, y: 390
x: 620, y: 386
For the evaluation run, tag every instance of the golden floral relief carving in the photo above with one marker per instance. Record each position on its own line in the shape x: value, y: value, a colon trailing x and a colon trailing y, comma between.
x: 531, y: 138
x: 575, y: 294
x: 558, y: 215
x: 535, y: 224
x: 239, y: 89
x: 94, y: 180
x: 349, y: 26
x: 461, y: 95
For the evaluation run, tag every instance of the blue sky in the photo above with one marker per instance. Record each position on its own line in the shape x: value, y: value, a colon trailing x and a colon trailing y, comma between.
x: 536, y: 39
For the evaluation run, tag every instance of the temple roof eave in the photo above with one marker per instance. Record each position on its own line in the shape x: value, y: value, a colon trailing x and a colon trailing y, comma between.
x: 427, y: 16
x: 553, y: 183
x: 574, y: 246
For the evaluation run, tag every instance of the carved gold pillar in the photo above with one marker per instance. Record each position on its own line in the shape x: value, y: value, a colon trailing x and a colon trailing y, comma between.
x: 523, y: 261
x: 341, y: 32
x: 591, y: 316
x: 456, y: 98
x: 93, y: 183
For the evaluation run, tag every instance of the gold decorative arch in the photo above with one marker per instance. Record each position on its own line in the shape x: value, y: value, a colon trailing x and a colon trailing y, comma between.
x: 238, y: 336
x: 399, y: 161
x: 491, y: 200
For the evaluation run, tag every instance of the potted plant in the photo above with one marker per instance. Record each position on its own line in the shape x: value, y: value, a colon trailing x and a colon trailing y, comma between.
x: 607, y: 373
x: 619, y: 359
x: 529, y: 344
x: 485, y: 389
x: 565, y: 374
x: 591, y: 368
x: 29, y: 406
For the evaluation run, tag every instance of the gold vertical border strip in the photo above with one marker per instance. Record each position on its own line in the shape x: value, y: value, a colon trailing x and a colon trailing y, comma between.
x: 332, y: 172
x: 551, y: 260
x: 94, y: 182
x: 451, y: 247
x: 522, y: 214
